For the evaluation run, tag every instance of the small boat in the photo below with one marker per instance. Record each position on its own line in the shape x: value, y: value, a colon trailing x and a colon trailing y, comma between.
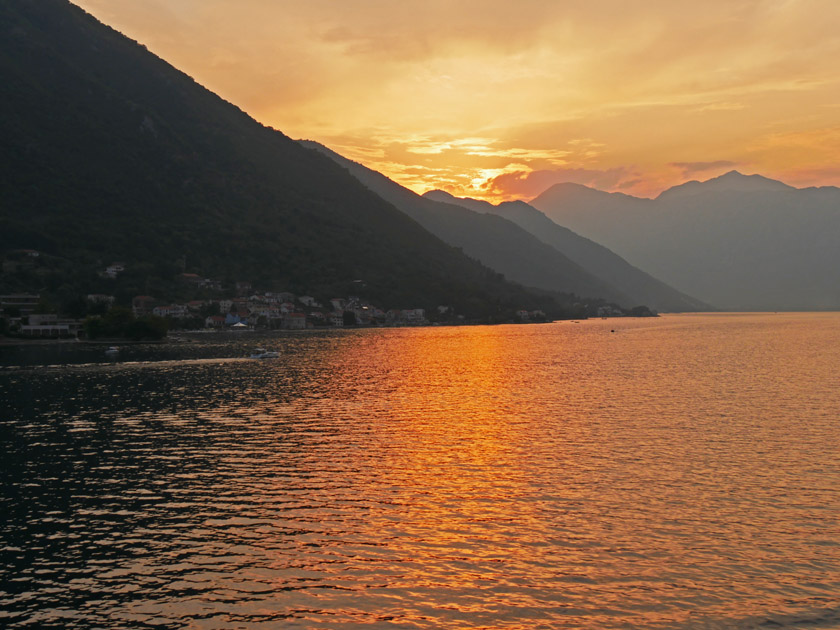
x: 262, y: 353
x: 112, y: 352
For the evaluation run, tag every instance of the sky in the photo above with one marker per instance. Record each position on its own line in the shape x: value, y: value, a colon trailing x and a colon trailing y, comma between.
x: 500, y: 100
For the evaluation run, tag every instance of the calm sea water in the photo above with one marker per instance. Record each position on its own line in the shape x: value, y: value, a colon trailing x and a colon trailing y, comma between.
x: 681, y: 472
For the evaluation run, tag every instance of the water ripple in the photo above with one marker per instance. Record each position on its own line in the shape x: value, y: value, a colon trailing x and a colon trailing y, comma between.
x: 679, y: 473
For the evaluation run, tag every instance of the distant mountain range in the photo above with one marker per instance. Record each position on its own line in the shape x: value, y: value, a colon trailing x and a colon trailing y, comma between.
x: 494, y: 240
x: 111, y: 154
x: 593, y: 257
x: 738, y: 242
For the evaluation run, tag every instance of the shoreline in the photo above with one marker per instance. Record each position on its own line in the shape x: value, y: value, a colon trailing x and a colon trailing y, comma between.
x: 19, y: 341
x: 189, y: 336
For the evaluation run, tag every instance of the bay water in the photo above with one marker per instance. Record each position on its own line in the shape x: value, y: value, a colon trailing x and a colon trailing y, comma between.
x: 676, y: 472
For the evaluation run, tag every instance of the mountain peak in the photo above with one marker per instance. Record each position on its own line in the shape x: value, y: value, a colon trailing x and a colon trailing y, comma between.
x: 733, y: 174
x: 516, y: 203
x: 733, y: 181
x: 569, y: 187
x: 572, y: 192
x: 439, y: 195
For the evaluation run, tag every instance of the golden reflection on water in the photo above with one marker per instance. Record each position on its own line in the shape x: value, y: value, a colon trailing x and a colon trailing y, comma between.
x: 674, y: 473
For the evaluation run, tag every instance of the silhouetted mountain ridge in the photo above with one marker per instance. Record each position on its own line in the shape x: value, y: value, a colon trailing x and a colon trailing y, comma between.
x: 111, y: 154
x: 733, y: 181
x: 493, y: 240
x: 739, y: 242
x: 592, y: 256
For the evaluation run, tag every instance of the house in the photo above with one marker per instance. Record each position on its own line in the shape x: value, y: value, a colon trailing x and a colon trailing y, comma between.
x: 337, y: 319
x: 523, y: 316
x: 294, y: 321
x: 175, y: 311
x: 100, y: 298
x: 240, y: 317
x: 24, y: 302
x: 262, y: 310
x: 406, y: 316
x: 113, y: 270
x: 214, y: 321
x: 48, y: 325
x: 337, y: 304
x: 414, y: 315
x: 364, y: 315
x: 192, y: 278
x: 308, y: 300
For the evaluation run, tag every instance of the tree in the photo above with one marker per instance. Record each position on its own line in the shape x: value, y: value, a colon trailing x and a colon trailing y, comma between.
x: 44, y: 306
x: 117, y: 319
x: 75, y: 307
x: 149, y: 327
x: 208, y: 310
x: 94, y: 327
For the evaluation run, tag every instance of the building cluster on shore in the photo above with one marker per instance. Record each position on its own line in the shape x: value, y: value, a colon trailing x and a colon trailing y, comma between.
x: 19, y: 312
x: 30, y: 314
x: 269, y: 310
x: 277, y: 310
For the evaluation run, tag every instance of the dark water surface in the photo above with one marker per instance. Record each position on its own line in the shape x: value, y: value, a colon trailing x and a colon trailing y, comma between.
x: 681, y: 472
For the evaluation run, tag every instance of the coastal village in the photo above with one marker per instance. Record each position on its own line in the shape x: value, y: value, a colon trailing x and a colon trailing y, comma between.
x: 243, y: 310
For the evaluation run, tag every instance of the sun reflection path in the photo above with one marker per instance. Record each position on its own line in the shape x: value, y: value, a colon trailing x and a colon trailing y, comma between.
x: 678, y: 473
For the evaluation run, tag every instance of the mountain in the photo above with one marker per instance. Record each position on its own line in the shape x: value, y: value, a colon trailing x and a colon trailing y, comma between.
x: 111, y: 154
x: 495, y: 241
x: 738, y: 242
x: 733, y: 181
x: 597, y: 259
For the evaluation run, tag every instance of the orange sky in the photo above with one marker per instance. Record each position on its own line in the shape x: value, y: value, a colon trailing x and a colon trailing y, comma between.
x: 498, y: 99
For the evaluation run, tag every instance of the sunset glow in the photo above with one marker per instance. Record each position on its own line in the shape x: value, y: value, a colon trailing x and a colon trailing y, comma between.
x: 500, y: 100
